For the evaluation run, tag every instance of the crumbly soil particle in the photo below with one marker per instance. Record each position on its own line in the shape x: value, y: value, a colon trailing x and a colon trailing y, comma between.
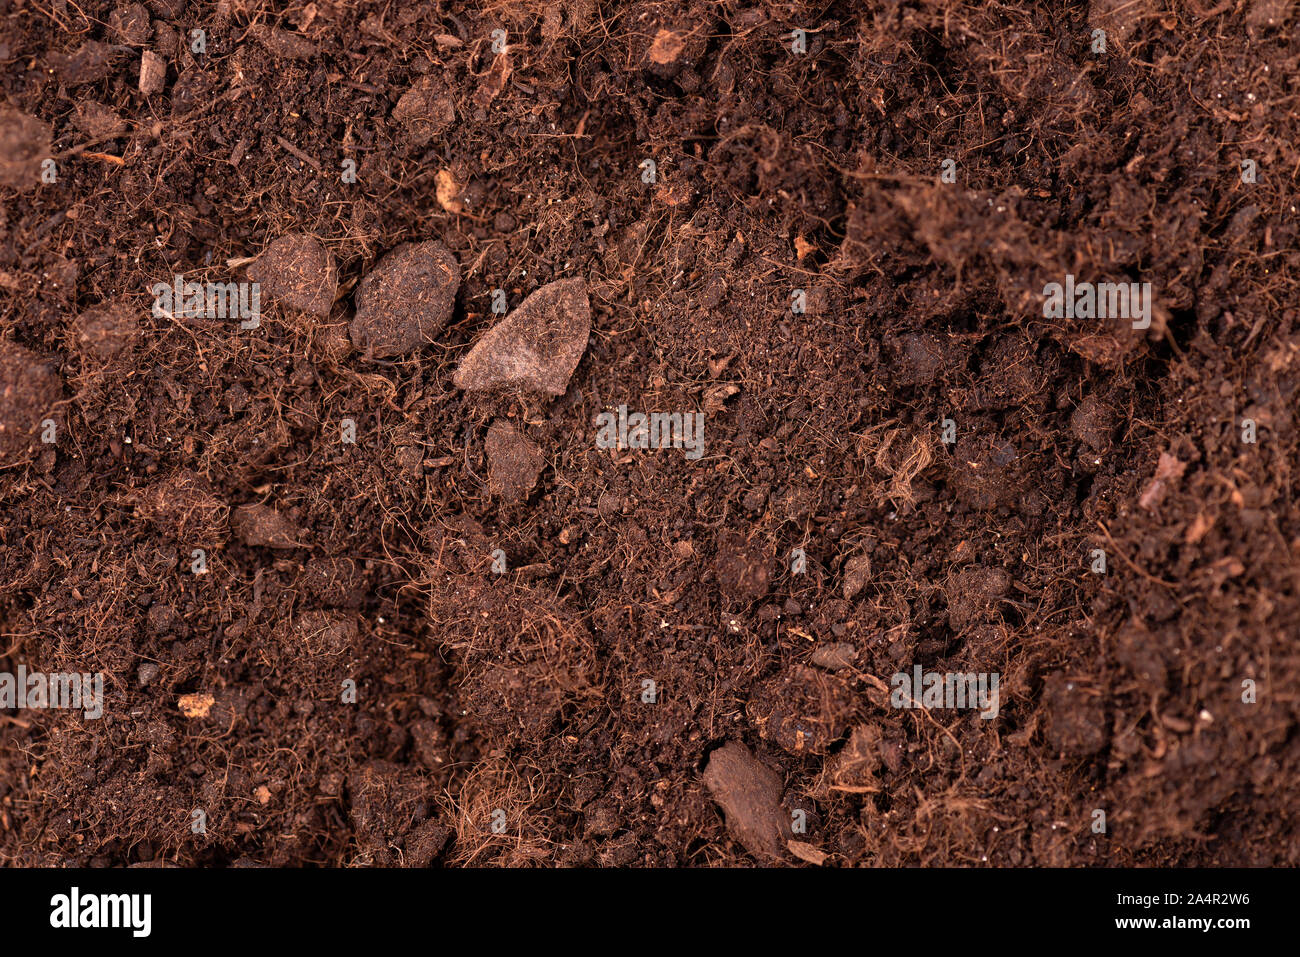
x: 405, y: 300
x: 514, y: 461
x: 24, y: 146
x: 298, y: 271
x: 364, y: 588
x: 28, y: 391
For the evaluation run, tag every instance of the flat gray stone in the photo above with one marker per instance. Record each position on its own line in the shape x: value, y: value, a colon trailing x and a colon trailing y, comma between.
x: 536, y: 347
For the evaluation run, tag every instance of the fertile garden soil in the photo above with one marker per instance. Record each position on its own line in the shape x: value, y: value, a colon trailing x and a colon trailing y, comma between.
x: 474, y: 636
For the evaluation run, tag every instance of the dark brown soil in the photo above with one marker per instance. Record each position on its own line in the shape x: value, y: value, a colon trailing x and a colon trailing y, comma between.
x: 463, y: 633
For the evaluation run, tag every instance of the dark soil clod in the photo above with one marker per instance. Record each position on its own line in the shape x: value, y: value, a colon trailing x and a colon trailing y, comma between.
x: 299, y: 271
x: 514, y: 461
x: 749, y: 793
x: 28, y: 390
x: 405, y: 300
x: 24, y: 144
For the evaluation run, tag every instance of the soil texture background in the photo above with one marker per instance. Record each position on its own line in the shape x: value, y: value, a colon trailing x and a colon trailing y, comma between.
x: 365, y: 589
